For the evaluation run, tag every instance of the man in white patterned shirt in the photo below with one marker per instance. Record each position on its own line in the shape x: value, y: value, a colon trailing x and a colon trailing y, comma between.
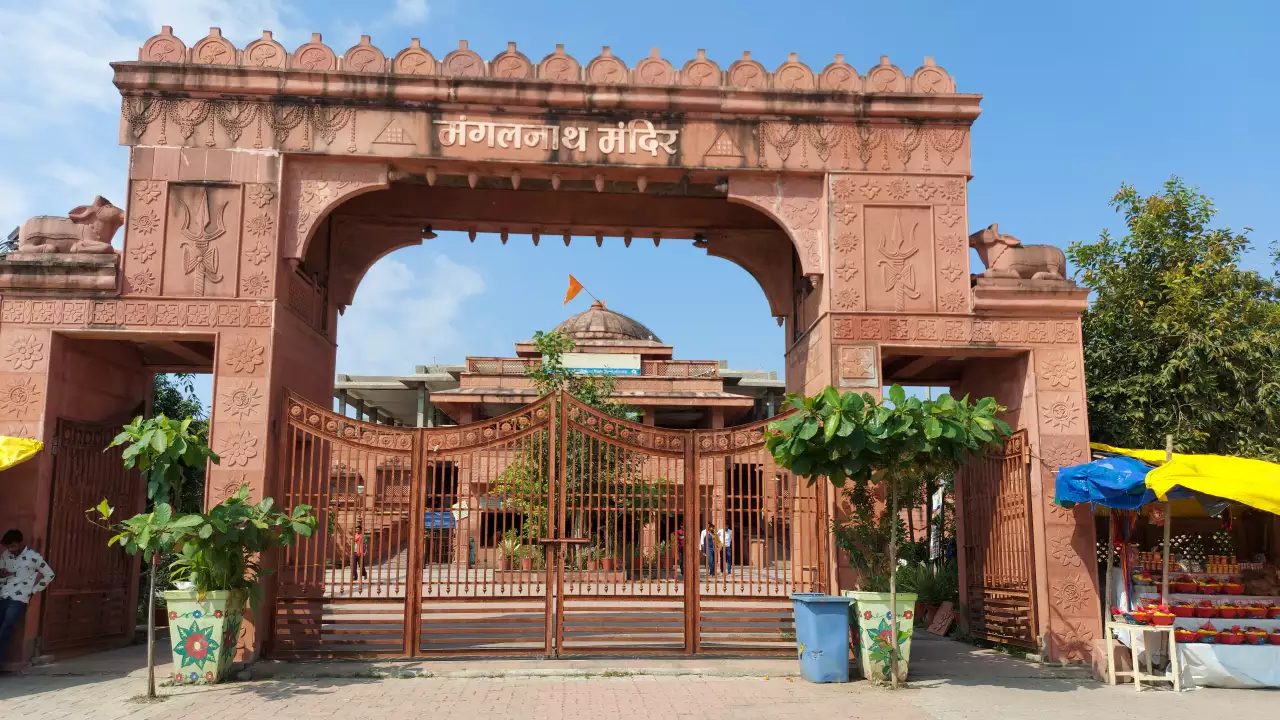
x: 23, y: 573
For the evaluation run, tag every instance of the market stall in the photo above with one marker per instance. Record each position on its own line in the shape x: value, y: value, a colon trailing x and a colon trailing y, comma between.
x: 1220, y: 597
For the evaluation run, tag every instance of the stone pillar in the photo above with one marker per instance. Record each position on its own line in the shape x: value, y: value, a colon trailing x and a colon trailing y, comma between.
x: 1065, y: 539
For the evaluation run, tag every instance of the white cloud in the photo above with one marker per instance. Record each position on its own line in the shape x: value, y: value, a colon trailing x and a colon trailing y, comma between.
x: 411, y: 11
x: 13, y: 205
x: 401, y: 318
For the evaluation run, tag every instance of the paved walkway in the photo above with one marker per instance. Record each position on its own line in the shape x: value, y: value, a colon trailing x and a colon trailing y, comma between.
x: 949, y: 681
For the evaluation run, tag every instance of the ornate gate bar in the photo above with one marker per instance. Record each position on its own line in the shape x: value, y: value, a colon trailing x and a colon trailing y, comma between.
x: 344, y: 591
x: 623, y: 496
x: 778, y: 542
x: 485, y: 496
x: 552, y: 530
x: 997, y: 537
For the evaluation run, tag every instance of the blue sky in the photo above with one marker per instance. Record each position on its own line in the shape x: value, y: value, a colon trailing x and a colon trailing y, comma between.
x: 1079, y: 96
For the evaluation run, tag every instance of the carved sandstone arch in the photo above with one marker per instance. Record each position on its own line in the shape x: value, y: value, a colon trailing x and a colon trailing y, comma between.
x: 312, y: 189
x: 764, y: 255
x: 798, y: 205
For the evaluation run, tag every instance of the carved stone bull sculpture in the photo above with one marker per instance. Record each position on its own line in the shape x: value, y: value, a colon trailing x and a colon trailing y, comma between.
x: 1006, y: 257
x: 86, y: 229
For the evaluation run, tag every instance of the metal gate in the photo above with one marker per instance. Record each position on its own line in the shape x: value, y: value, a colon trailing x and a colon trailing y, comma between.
x: 92, y: 604
x: 553, y: 530
x: 997, y: 543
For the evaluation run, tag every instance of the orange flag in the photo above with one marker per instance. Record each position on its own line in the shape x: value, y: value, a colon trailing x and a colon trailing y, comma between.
x: 574, y: 288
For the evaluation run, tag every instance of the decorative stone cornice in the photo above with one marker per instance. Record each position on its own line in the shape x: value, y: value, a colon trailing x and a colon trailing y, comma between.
x: 214, y: 67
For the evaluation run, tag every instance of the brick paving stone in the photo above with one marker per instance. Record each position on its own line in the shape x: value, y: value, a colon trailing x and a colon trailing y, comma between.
x: 624, y: 698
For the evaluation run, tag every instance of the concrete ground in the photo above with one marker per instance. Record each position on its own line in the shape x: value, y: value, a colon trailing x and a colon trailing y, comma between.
x: 949, y: 680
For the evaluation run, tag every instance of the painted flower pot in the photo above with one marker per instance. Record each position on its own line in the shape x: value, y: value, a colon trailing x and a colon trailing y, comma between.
x: 203, y: 631
x: 877, y: 633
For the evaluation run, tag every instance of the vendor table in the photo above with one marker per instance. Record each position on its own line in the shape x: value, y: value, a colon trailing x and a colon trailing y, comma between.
x: 1173, y: 675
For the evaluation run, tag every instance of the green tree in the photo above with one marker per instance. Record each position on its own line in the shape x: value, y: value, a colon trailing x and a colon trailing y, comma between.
x: 165, y: 452
x: 1180, y: 338
x: 175, y: 396
x: 595, y: 469
x: 899, y: 442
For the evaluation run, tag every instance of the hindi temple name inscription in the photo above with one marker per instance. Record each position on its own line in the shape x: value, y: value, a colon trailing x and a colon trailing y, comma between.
x: 636, y: 136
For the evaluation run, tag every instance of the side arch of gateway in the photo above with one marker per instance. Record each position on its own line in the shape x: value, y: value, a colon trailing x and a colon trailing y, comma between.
x: 263, y: 182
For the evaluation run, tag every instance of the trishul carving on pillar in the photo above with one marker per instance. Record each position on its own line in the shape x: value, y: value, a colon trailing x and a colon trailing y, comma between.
x: 898, y: 275
x: 198, y: 254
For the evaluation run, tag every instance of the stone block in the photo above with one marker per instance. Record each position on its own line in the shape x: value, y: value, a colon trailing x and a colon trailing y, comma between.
x: 80, y: 274
x: 1121, y: 659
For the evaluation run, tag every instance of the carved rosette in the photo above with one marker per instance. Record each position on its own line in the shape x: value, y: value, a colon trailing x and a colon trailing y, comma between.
x: 841, y: 76
x: 931, y: 79
x: 414, y: 60
x: 559, y: 67
x: 511, y: 64
x: 654, y: 70
x: 738, y: 440
x: 584, y: 419
x: 214, y: 50
x: 364, y: 57
x: 748, y: 74
x: 265, y: 52
x: 321, y: 421
x: 463, y: 62
x: 793, y: 75
x: 606, y: 69
x: 886, y: 77
x: 163, y: 48
x: 315, y: 56
x: 700, y: 72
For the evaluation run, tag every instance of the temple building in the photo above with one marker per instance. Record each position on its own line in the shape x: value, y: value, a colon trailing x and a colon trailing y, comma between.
x: 669, y: 393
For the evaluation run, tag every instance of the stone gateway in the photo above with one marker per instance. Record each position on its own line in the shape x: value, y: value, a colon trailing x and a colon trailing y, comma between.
x: 265, y: 181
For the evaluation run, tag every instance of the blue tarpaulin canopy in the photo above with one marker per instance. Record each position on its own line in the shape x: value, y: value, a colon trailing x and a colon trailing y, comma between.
x: 1114, y: 482
x: 442, y: 520
x: 1118, y: 482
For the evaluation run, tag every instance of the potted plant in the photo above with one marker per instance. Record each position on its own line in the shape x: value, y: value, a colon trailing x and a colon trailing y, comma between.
x: 215, y: 569
x: 590, y: 556
x: 165, y: 452
x: 509, y: 549
x: 526, y: 558
x: 897, y: 442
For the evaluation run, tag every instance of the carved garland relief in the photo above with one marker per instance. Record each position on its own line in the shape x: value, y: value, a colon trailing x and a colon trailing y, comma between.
x: 860, y: 146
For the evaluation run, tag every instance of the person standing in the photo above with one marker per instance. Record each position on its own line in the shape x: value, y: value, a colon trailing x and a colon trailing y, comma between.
x: 358, y: 553
x: 707, y: 544
x: 23, y: 573
x: 725, y: 537
x: 680, y: 551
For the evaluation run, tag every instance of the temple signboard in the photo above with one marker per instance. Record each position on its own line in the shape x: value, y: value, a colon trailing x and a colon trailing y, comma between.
x: 624, y: 138
x: 602, y: 363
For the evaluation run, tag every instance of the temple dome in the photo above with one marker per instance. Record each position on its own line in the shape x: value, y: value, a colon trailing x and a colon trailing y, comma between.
x: 599, y: 323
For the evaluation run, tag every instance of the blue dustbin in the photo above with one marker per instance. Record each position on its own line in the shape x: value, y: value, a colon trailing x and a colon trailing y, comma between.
x: 822, y: 636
